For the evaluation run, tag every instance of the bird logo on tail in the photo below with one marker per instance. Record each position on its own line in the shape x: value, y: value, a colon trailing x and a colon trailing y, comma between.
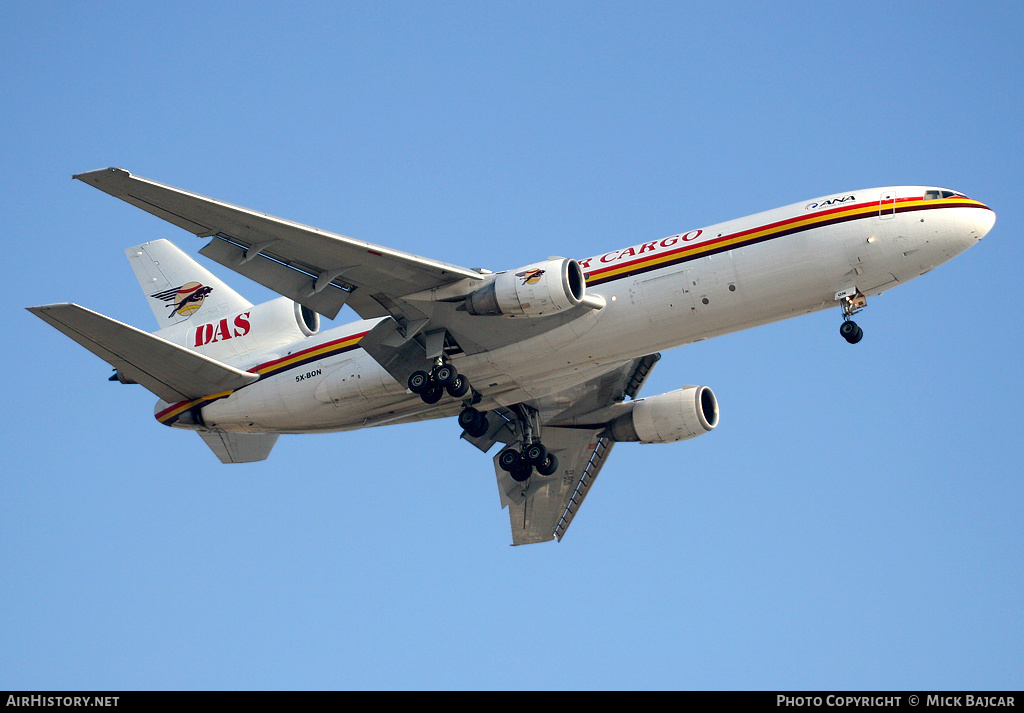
x: 185, y: 299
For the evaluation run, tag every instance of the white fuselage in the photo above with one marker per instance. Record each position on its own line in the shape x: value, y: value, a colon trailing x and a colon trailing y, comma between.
x: 661, y: 294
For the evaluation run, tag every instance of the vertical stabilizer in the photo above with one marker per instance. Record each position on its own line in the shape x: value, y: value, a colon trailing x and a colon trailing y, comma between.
x: 178, y: 288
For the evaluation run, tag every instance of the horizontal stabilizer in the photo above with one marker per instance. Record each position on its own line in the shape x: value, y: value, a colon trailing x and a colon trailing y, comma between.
x: 239, y: 447
x: 171, y: 372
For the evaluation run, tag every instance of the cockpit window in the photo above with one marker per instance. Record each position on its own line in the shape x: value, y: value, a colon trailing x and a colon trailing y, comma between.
x: 933, y: 194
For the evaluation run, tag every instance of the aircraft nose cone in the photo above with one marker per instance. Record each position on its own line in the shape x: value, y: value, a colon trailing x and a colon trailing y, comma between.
x: 983, y: 222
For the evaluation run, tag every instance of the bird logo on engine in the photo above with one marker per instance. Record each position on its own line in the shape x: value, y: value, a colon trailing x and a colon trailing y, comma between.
x: 530, y: 277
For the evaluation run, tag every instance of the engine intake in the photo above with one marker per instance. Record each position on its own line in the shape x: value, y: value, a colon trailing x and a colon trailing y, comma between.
x: 536, y: 290
x: 674, y: 416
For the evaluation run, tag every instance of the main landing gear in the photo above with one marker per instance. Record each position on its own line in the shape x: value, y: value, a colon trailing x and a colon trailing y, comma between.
x: 851, y: 301
x: 520, y: 464
x: 534, y: 455
x: 432, y: 386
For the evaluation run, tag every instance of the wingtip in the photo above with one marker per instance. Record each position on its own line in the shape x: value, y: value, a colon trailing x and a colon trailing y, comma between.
x: 100, y: 172
x: 40, y: 310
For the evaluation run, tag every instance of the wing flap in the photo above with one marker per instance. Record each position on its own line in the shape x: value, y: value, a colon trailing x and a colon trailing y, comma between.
x: 598, y: 456
x: 296, y: 282
x: 171, y: 372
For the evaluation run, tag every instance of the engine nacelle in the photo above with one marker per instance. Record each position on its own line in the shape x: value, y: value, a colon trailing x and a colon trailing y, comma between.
x: 259, y: 327
x: 536, y: 290
x: 674, y: 416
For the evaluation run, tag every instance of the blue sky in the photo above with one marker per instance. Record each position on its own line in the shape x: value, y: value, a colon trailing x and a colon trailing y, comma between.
x: 855, y: 521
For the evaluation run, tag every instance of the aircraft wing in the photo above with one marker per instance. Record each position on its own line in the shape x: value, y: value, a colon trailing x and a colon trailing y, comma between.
x: 316, y: 268
x: 324, y: 271
x: 542, y: 508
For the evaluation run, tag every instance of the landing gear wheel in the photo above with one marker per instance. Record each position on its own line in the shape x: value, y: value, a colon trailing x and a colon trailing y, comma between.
x: 535, y: 453
x: 419, y: 381
x: 481, y: 429
x: 508, y: 459
x: 458, y: 388
x: 521, y: 472
x: 549, y: 466
x: 851, y: 332
x: 445, y: 375
x: 474, y: 422
x: 468, y: 418
x: 432, y: 395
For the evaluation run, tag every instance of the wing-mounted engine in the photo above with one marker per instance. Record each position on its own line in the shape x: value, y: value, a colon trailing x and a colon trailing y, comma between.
x: 673, y: 416
x: 536, y: 290
x: 257, y: 328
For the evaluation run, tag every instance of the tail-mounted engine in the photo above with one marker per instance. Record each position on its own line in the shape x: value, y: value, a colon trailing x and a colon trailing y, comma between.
x: 536, y: 290
x: 674, y: 416
x: 256, y: 328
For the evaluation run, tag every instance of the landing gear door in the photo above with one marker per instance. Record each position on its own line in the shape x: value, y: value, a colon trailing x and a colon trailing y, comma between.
x: 887, y: 205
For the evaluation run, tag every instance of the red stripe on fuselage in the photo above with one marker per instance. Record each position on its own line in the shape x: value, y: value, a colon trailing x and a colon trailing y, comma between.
x: 267, y: 369
x: 777, y: 229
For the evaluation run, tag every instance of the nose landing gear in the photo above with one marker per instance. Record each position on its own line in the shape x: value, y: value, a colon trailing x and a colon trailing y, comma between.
x: 851, y: 301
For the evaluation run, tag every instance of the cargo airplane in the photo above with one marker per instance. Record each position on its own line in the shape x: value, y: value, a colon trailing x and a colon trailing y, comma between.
x: 547, y: 359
